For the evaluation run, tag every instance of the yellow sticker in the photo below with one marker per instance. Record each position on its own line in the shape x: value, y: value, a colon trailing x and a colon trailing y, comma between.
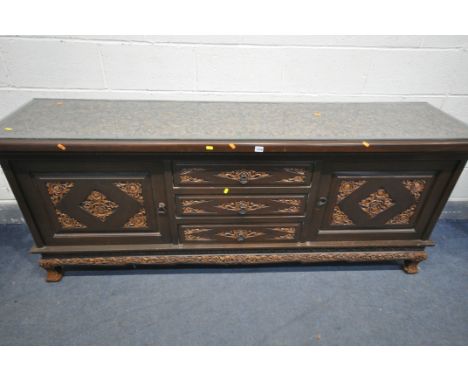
x: 232, y: 146
x: 8, y: 129
x: 209, y: 148
x: 226, y: 191
x: 366, y: 144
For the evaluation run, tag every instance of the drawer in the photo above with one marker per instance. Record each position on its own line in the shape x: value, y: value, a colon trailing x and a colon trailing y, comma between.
x: 208, y: 205
x: 235, y: 233
x: 205, y: 175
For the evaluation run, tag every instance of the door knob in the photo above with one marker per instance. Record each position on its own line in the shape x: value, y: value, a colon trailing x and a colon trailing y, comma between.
x: 322, y: 201
x: 162, y: 208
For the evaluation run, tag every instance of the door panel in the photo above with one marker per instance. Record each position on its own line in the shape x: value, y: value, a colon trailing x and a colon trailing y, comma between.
x: 380, y: 200
x: 88, y: 203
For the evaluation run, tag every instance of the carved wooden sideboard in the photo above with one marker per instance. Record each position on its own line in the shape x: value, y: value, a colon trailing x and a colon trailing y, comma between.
x: 121, y: 183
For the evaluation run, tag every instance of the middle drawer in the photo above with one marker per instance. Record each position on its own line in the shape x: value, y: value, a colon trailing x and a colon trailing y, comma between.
x: 241, y: 205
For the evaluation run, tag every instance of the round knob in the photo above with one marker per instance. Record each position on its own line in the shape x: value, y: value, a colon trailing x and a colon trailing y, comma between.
x: 240, y: 238
x: 322, y: 201
x: 243, y: 178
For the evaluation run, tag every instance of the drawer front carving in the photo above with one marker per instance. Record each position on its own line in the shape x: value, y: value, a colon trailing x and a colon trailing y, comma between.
x: 203, y: 175
x: 240, y: 205
x: 239, y: 233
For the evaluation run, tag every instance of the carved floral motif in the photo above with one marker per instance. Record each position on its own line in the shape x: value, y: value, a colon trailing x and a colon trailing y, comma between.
x: 242, y: 205
x: 97, y: 205
x: 293, y: 204
x: 415, y: 186
x: 240, y: 234
x: 243, y: 174
x: 347, y: 187
x: 67, y: 221
x: 287, y: 233
x: 185, y: 176
x: 376, y: 203
x: 57, y: 190
x: 298, y: 178
x: 188, y: 209
x: 340, y: 218
x: 193, y: 234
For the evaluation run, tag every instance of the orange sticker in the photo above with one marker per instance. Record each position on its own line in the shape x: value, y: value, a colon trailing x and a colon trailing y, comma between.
x: 317, y: 114
x: 232, y: 146
x: 366, y: 144
x: 61, y: 147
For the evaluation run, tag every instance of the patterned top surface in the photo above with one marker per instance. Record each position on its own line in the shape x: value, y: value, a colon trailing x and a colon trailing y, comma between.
x: 165, y: 120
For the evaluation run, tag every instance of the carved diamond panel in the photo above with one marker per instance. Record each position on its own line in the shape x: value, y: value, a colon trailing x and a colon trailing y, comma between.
x: 377, y: 202
x: 71, y: 198
x: 97, y: 205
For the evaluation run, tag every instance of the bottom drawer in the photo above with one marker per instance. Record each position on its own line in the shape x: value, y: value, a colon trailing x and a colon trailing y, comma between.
x: 247, y: 233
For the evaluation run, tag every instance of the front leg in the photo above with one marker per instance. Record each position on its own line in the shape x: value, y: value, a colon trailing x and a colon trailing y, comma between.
x: 54, y: 274
x: 411, y: 266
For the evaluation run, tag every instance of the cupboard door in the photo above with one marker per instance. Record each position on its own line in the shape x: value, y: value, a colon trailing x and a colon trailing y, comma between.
x: 95, y: 203
x: 387, y: 200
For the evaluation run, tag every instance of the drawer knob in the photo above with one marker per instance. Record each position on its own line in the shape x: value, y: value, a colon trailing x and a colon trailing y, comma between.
x: 322, y: 201
x: 243, y: 178
x: 242, y: 208
x: 240, y: 238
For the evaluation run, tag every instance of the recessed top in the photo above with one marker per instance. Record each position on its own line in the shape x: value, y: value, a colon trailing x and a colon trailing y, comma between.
x: 169, y: 120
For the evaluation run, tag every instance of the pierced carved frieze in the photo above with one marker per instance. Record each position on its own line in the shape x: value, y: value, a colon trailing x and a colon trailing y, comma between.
x: 248, y: 175
x: 241, y: 205
x: 298, y: 178
x: 57, y: 190
x: 67, y: 221
x: 138, y: 220
x: 97, y: 205
x: 376, y: 203
x: 237, y: 234
x: 132, y: 189
x: 340, y: 218
x: 287, y: 233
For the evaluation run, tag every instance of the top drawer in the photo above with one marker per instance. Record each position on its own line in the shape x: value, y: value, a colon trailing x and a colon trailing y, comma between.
x: 200, y: 174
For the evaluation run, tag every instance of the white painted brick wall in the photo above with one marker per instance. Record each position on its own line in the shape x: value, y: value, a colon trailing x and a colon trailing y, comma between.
x: 250, y: 68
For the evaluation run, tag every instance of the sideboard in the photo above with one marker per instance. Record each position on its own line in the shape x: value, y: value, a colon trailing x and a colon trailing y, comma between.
x: 162, y: 183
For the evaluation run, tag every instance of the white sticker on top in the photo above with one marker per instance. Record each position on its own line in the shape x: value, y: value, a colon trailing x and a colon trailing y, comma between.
x: 259, y: 149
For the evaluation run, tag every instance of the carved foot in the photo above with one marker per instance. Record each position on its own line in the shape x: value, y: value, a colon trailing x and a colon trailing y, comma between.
x: 54, y: 274
x: 411, y: 266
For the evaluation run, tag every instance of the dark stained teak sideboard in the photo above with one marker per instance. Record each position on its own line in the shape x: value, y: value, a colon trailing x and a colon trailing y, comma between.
x: 124, y: 183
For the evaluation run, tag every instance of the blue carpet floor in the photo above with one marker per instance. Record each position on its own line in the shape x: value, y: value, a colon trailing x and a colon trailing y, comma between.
x: 288, y: 305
